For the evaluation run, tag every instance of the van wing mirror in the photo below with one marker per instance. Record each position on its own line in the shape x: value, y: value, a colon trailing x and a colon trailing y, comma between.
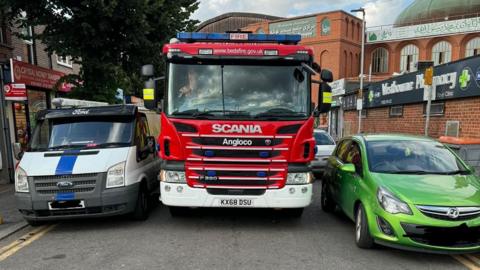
x: 17, y: 151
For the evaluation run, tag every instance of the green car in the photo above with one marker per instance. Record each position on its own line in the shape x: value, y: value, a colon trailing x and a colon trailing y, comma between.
x: 404, y: 191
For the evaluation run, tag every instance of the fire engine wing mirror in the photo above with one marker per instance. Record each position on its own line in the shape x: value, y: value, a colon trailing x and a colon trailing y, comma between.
x: 324, y: 99
x: 298, y: 74
x: 17, y: 151
x: 147, y: 70
x: 326, y: 75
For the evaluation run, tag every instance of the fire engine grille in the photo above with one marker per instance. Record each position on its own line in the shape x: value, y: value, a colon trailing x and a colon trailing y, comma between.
x: 78, y: 183
x: 220, y: 141
x: 237, y: 153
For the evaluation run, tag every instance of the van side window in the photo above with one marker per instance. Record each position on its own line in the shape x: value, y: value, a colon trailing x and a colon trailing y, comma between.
x: 141, y: 133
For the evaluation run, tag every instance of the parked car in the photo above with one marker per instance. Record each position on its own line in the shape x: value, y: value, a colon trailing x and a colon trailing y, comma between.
x: 404, y: 191
x: 325, y: 145
x: 87, y: 162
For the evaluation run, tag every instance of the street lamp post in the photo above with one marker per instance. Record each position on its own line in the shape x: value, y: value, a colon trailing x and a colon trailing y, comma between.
x: 362, y: 57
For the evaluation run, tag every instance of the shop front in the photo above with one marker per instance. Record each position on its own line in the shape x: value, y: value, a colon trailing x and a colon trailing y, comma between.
x: 34, y: 89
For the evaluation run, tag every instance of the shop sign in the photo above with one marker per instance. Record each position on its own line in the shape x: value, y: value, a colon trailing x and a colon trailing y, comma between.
x: 450, y: 81
x: 15, y: 91
x: 306, y: 27
x: 35, y: 76
x: 338, y: 87
x: 423, y: 30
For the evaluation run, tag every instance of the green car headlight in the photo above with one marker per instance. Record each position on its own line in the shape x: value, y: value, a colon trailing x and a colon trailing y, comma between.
x: 391, y: 203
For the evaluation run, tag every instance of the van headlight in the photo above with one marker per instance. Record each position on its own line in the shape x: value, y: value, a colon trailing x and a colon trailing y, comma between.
x: 173, y: 177
x: 391, y: 203
x: 116, y: 175
x: 21, y: 180
x: 299, y: 178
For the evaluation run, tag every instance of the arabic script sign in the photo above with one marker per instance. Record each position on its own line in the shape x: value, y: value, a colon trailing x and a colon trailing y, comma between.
x: 423, y: 30
x: 306, y: 27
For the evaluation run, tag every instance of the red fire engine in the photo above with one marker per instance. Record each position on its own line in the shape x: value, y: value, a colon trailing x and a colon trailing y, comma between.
x: 237, y: 121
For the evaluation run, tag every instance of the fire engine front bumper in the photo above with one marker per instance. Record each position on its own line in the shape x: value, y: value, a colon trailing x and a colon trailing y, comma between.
x: 290, y: 196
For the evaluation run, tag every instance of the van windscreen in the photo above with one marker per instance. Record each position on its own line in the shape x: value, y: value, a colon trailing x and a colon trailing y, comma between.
x: 79, y: 133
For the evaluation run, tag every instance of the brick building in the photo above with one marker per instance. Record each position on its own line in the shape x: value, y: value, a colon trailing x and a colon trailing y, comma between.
x: 33, y: 73
x: 435, y: 30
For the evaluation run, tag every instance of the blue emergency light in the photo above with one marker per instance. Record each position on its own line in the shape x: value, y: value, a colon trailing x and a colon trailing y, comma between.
x: 238, y: 37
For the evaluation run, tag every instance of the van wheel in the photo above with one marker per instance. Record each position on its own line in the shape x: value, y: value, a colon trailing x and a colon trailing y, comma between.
x: 327, y: 203
x: 176, y: 211
x: 142, y: 205
x: 363, y: 239
x: 35, y: 223
x: 293, y: 212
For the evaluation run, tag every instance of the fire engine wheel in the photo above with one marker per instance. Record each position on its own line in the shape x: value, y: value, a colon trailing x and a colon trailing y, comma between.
x: 293, y: 212
x: 142, y: 206
x: 176, y: 211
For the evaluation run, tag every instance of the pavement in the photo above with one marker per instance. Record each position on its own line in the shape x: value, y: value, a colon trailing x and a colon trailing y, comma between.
x: 210, y: 239
x: 12, y: 220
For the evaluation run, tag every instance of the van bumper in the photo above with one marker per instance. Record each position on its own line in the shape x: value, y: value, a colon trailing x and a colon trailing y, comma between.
x: 108, y: 202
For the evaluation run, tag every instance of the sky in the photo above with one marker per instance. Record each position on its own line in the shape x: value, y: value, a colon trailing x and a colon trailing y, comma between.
x: 378, y: 12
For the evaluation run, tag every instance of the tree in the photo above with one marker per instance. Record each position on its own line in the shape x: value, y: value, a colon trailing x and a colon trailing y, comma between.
x: 111, y: 39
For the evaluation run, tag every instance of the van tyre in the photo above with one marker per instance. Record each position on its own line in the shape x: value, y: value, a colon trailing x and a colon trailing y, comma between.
x: 293, y: 212
x: 363, y: 238
x: 176, y: 211
x: 35, y: 223
x: 142, y: 205
x: 327, y: 203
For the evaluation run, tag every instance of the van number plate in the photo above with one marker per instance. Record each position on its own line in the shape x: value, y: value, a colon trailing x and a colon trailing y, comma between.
x: 236, y: 202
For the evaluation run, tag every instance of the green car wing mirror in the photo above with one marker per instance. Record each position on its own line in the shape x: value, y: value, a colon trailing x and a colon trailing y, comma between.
x: 348, y: 167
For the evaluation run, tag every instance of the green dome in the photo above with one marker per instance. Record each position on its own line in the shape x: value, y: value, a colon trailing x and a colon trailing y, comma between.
x: 424, y: 11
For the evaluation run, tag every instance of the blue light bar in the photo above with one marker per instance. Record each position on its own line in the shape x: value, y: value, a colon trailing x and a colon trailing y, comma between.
x: 238, y: 37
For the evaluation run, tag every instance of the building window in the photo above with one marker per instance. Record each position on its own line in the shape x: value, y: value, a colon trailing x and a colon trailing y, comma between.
x: 380, y: 60
x: 363, y: 113
x: 441, y: 53
x: 64, y: 61
x: 436, y: 109
x: 28, y: 52
x: 408, y: 58
x: 473, y: 47
x: 396, y: 111
x: 3, y: 34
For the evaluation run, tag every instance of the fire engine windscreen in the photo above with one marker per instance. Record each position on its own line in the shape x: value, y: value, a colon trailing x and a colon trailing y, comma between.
x: 238, y: 91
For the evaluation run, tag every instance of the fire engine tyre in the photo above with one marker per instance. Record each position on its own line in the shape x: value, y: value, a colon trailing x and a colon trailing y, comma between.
x: 293, y: 212
x: 328, y: 205
x: 141, y: 211
x: 176, y: 211
x: 363, y: 239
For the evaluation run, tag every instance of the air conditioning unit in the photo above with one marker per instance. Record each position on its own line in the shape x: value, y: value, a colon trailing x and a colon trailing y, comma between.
x: 452, y: 128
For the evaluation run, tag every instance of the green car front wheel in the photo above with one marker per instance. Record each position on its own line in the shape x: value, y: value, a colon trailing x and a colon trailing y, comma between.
x: 363, y: 238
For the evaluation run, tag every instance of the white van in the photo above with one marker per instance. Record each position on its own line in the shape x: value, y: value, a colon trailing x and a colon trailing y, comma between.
x: 88, y: 162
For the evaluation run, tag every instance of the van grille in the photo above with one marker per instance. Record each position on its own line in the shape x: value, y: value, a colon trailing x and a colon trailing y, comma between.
x: 81, y: 183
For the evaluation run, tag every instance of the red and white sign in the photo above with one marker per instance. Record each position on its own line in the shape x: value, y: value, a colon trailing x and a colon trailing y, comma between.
x: 15, y: 91
x: 32, y: 75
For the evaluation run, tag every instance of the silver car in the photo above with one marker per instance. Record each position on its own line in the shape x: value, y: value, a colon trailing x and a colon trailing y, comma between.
x: 325, y: 146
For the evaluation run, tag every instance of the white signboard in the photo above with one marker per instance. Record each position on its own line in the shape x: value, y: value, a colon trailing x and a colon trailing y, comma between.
x: 423, y: 30
x: 306, y: 27
x: 338, y: 87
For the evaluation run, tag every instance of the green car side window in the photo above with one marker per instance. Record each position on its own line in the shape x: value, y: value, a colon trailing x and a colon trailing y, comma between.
x: 342, y: 150
x: 354, y: 157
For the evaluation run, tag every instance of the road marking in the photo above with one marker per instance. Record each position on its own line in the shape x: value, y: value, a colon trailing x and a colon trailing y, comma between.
x: 469, y: 261
x: 24, y: 241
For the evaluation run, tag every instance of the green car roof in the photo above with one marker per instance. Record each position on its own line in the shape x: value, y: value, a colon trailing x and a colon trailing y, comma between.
x: 396, y: 137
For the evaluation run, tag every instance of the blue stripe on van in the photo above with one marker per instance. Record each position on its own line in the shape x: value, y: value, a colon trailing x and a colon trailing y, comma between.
x: 67, y: 162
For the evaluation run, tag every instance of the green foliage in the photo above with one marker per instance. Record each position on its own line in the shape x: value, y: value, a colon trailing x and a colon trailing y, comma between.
x: 111, y: 39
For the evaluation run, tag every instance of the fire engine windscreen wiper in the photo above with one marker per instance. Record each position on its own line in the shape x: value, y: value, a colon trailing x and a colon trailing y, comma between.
x: 195, y: 113
x: 66, y: 146
x: 280, y: 112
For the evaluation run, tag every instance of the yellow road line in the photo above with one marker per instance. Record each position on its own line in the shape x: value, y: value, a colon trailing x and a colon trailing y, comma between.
x: 467, y: 261
x: 24, y: 241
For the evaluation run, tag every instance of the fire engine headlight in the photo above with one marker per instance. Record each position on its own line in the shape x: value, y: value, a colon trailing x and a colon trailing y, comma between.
x: 21, y: 180
x: 299, y: 178
x: 116, y: 175
x: 173, y: 177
